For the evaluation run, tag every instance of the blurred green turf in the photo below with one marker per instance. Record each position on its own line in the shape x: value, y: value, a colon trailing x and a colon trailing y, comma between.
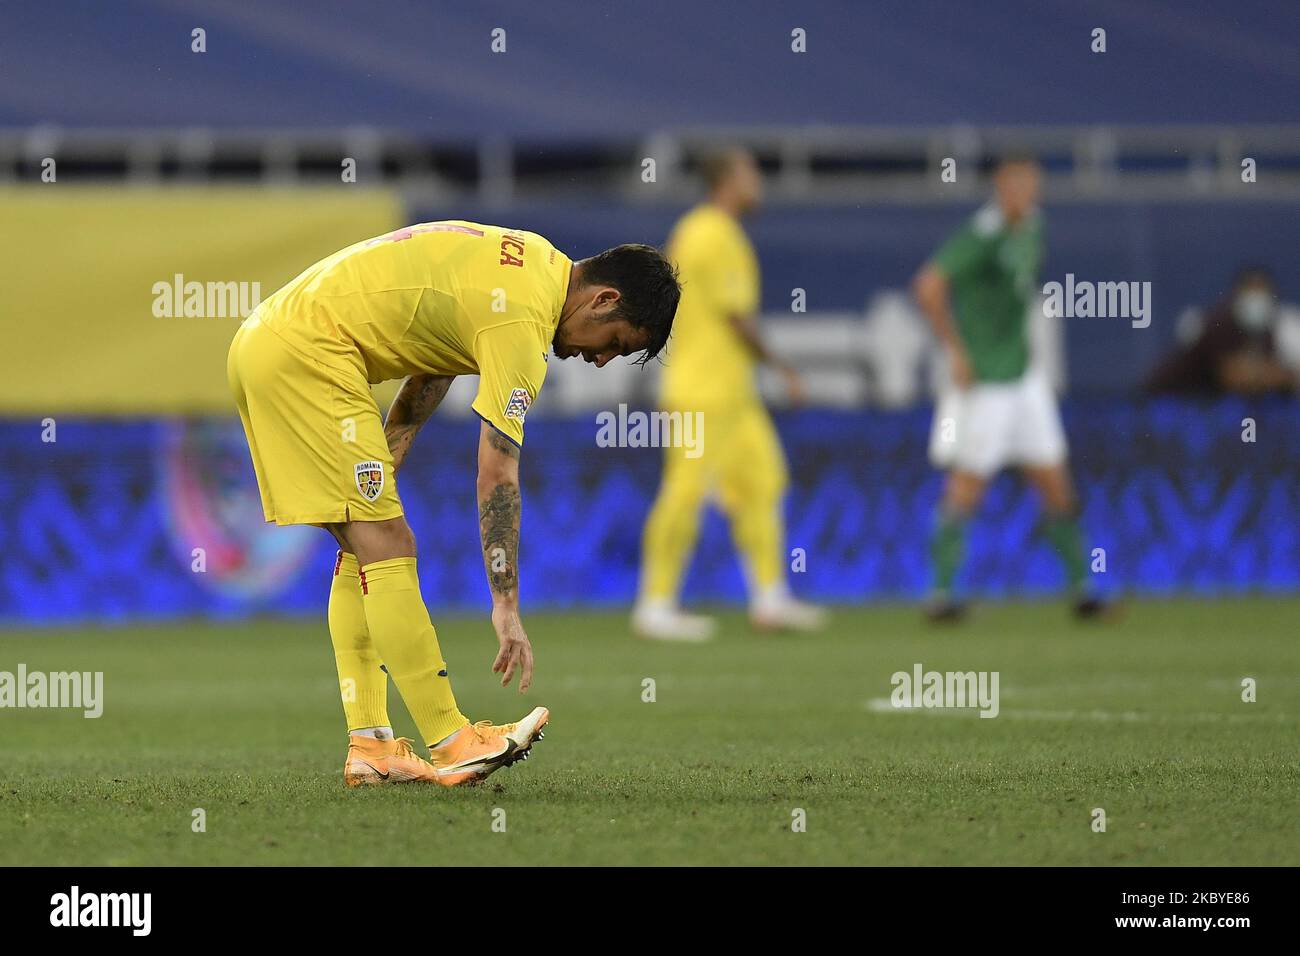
x: 1143, y: 718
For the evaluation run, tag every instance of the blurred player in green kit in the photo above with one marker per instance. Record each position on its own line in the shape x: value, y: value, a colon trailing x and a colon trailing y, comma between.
x: 976, y: 292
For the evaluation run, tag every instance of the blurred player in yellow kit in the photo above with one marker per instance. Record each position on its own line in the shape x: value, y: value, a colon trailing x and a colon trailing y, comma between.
x: 710, y: 369
x: 428, y: 303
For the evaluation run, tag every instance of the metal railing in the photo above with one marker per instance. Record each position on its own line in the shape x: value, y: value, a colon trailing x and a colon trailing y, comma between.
x: 818, y: 165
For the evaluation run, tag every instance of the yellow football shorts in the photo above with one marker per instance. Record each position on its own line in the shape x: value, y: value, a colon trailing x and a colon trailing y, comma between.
x: 741, y: 464
x: 314, y: 431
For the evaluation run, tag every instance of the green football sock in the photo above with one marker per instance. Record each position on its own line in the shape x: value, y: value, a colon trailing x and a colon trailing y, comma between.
x: 1064, y: 534
x: 947, y: 548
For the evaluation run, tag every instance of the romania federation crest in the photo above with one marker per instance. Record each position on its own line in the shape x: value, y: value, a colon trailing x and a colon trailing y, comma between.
x: 517, y: 407
x: 370, y: 479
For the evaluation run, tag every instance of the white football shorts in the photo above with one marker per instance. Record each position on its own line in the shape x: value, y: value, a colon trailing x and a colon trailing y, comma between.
x: 995, y: 425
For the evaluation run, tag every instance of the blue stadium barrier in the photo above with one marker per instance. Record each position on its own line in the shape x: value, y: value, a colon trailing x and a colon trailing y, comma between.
x: 103, y: 525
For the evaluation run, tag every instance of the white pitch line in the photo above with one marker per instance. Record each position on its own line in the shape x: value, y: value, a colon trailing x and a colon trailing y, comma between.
x: 883, y: 705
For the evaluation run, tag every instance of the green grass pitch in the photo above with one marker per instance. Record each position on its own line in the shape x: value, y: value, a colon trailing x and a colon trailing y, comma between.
x: 1143, y: 718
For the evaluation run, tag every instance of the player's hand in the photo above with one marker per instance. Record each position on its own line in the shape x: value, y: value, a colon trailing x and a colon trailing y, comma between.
x: 515, y: 650
x: 795, y: 391
x: 959, y: 365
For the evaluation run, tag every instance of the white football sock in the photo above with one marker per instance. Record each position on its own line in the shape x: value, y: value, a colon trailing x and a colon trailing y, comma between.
x: 656, y: 607
x: 445, y: 740
x: 774, y: 595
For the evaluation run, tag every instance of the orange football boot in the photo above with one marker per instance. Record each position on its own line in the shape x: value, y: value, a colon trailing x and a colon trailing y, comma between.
x: 372, y: 761
x: 481, y: 749
x: 524, y: 732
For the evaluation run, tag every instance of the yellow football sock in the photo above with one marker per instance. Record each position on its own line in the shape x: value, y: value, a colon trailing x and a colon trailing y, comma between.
x: 363, y: 685
x: 400, y: 627
x: 671, y: 529
x: 758, y: 530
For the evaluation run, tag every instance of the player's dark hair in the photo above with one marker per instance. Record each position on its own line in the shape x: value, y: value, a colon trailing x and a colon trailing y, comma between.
x: 647, y: 286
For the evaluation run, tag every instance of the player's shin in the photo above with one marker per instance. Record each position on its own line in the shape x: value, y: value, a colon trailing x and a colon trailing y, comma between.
x: 1066, y: 538
x: 362, y: 683
x: 406, y: 640
x: 670, y: 534
x: 759, y: 533
x: 947, y: 549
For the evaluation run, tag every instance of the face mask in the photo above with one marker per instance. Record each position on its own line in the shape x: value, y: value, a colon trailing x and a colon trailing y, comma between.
x: 1254, y: 310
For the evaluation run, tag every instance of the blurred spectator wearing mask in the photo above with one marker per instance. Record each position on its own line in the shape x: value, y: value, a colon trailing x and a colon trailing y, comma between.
x: 1245, y: 345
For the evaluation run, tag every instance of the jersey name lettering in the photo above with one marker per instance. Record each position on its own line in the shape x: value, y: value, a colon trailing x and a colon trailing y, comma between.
x: 515, y: 258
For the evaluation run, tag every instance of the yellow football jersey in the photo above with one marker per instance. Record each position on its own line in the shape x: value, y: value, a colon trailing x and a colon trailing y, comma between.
x: 443, y: 298
x: 707, y: 364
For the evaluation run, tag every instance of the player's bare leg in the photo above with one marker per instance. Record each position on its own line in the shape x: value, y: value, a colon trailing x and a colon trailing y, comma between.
x: 1061, y: 527
x: 962, y: 494
x: 1054, y: 486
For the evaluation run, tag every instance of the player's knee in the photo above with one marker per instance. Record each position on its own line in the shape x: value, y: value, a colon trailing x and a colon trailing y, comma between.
x: 373, y: 541
x: 1064, y: 506
x: 403, y: 539
x: 754, y: 499
x: 684, y: 481
x: 775, y: 481
x: 1058, y: 498
x: 962, y: 496
x: 954, y: 514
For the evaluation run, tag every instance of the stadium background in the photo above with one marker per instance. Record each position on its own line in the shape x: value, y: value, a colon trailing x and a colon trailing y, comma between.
x: 225, y: 166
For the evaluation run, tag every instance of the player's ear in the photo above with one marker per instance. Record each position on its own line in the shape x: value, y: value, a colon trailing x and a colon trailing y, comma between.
x: 605, y: 302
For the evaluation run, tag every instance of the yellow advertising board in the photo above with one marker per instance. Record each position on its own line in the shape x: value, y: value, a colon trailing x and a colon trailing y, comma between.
x: 123, y: 301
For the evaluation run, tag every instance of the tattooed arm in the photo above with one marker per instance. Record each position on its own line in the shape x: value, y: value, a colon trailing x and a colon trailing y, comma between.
x: 498, y: 520
x: 415, y: 402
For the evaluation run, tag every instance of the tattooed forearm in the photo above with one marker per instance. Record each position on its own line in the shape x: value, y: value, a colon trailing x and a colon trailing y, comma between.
x: 415, y: 402
x: 498, y: 519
